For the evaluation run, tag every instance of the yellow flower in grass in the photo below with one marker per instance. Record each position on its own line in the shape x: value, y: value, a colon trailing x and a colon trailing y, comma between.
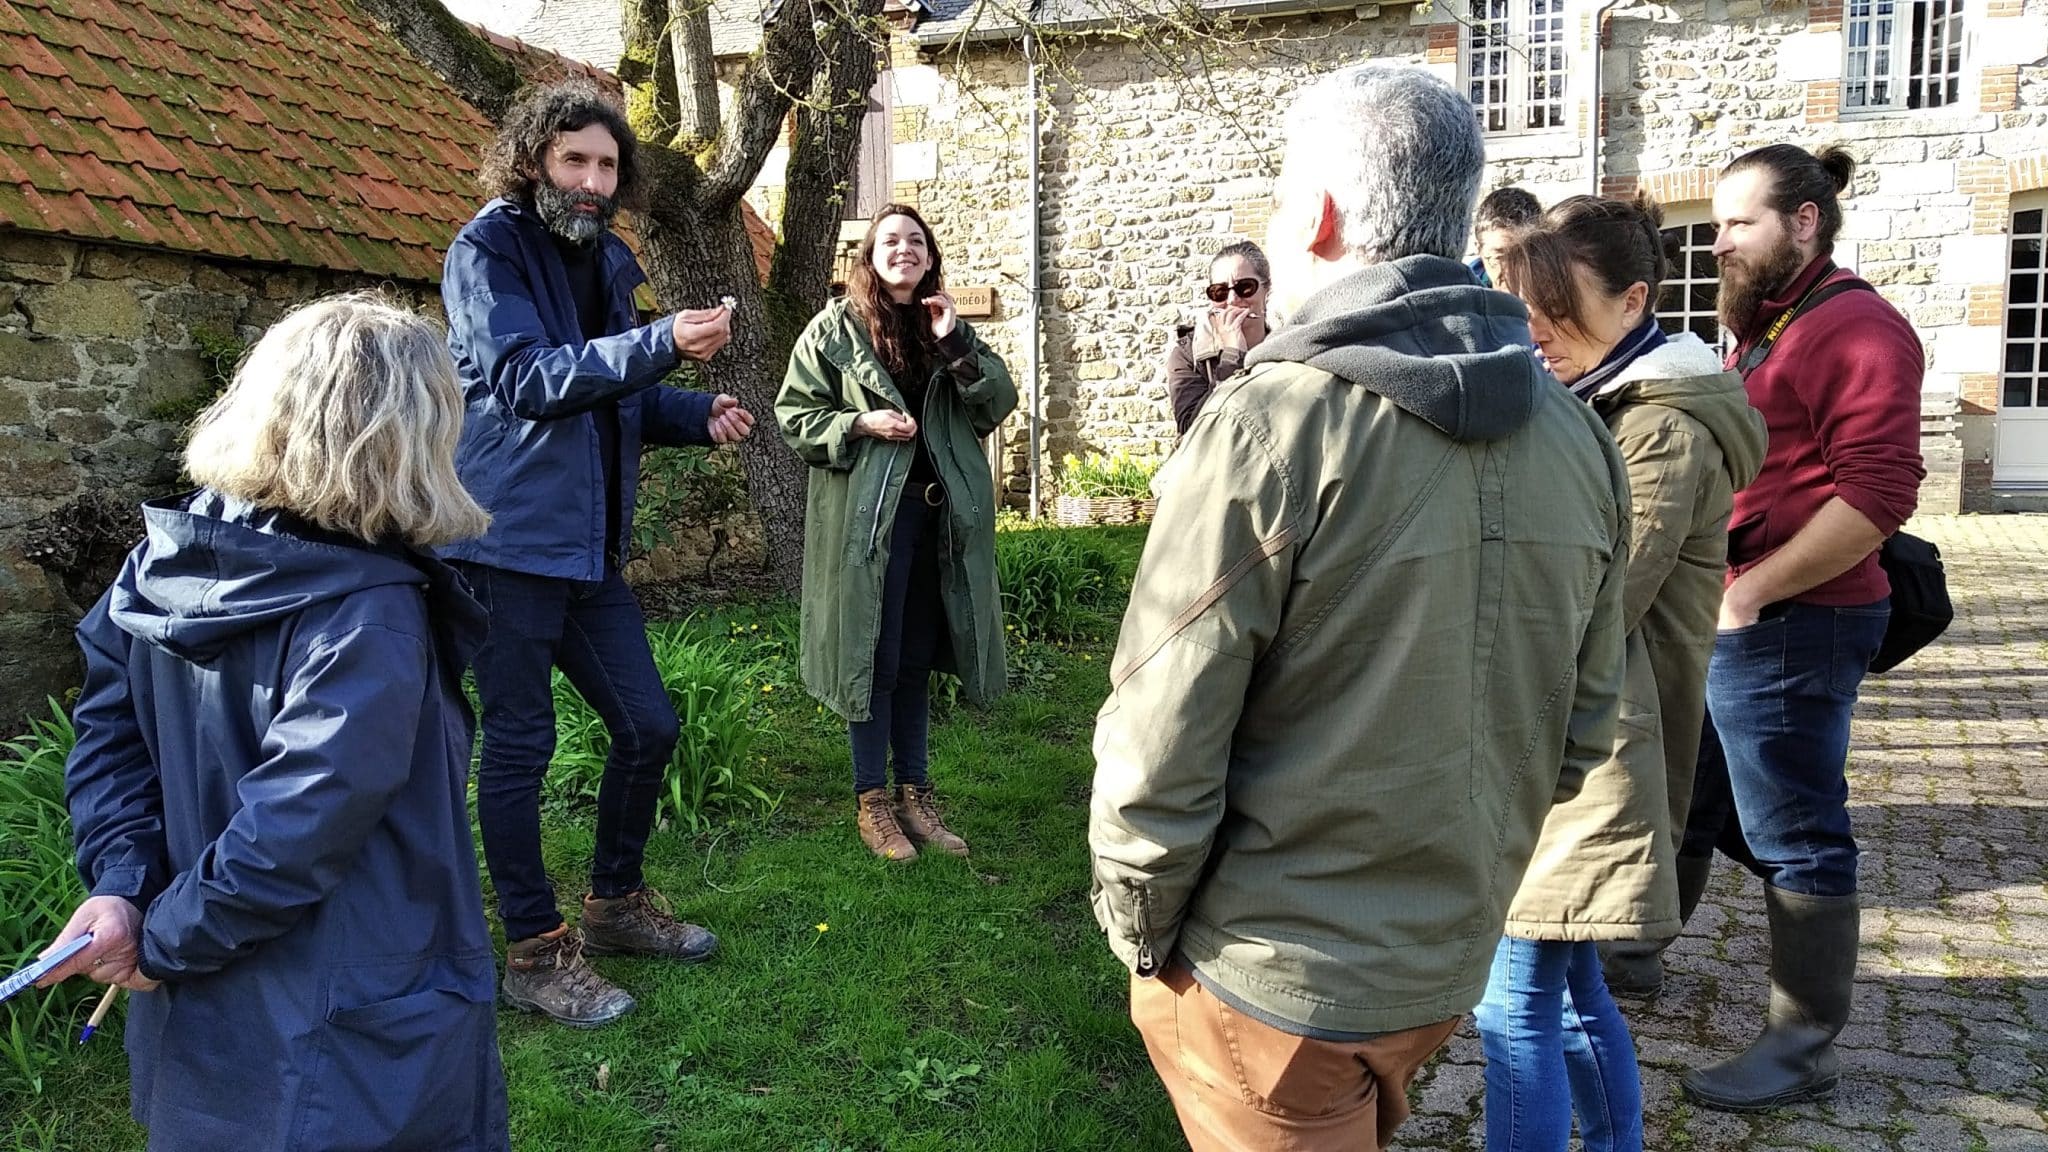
x: 823, y: 927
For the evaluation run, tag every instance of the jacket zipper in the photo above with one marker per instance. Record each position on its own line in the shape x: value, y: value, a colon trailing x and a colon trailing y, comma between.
x: 1148, y: 964
x: 924, y: 422
x: 881, y: 499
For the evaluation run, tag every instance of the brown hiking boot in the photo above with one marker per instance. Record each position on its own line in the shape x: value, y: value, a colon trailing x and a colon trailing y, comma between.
x: 918, y: 809
x: 640, y: 924
x: 546, y: 974
x: 879, y: 829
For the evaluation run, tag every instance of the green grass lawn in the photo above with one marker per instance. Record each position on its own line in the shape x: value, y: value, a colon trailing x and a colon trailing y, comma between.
x: 855, y: 1004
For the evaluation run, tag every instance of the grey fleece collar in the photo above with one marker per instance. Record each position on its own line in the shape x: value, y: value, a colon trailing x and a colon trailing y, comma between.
x: 1419, y: 332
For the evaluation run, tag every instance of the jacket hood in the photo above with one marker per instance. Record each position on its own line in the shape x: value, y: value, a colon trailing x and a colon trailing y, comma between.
x: 211, y: 568
x: 1419, y: 332
x: 1687, y: 375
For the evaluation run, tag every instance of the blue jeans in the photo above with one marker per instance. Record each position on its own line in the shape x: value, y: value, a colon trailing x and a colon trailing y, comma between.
x: 595, y: 633
x: 913, y: 619
x: 1556, y: 1044
x: 1771, y: 789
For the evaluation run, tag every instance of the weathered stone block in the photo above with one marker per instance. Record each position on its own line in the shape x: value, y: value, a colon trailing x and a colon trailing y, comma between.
x: 81, y: 427
x: 27, y: 358
x: 14, y: 405
x: 216, y: 282
x: 31, y: 466
x: 38, y: 660
x: 170, y: 385
x: 111, y: 352
x: 159, y: 268
x: 46, y: 251
x: 84, y: 308
x: 175, y: 314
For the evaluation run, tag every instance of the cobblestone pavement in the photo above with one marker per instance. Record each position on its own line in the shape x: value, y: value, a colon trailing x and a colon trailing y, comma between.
x: 1948, y: 1047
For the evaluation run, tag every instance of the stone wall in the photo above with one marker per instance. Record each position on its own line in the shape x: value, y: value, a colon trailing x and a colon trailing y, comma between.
x: 100, y: 369
x: 1146, y: 172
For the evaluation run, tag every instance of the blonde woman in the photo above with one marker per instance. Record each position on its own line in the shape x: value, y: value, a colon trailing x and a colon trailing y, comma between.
x: 268, y: 786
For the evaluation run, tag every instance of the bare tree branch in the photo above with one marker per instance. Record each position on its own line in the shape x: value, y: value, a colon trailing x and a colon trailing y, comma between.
x: 466, y: 61
x: 696, y: 75
x: 785, y: 62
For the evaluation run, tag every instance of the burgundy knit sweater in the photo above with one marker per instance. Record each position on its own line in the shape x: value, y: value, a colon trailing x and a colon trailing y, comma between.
x: 1840, y: 396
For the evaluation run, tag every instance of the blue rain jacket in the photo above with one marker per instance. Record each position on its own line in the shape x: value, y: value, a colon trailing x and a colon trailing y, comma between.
x: 273, y: 749
x: 529, y: 451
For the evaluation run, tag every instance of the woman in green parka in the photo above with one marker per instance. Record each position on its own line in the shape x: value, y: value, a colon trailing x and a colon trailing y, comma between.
x: 888, y: 398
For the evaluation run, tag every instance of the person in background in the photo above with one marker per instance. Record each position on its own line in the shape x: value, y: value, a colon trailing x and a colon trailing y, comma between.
x: 268, y: 788
x: 1212, y: 350
x: 1502, y: 212
x: 888, y: 398
x: 1806, y: 602
x: 1555, y: 1043
x: 563, y: 386
x: 1375, y: 634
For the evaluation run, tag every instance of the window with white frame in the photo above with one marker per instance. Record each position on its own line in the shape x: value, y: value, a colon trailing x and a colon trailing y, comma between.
x: 2025, y: 378
x: 1690, y: 296
x: 1513, y: 61
x: 1902, y: 54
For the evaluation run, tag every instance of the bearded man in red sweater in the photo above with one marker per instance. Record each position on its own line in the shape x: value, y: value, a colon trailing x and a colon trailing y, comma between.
x: 1836, y: 372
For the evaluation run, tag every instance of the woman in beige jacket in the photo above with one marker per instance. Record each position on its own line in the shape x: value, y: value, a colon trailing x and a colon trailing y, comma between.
x: 1604, y: 867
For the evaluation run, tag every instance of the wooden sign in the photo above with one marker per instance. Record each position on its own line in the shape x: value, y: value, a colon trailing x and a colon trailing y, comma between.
x: 975, y: 303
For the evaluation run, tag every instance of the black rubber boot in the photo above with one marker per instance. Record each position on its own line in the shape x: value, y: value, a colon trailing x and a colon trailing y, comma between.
x: 1634, y: 969
x: 1813, y: 971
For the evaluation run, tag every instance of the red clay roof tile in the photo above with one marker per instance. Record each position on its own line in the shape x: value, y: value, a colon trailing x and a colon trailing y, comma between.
x: 279, y: 131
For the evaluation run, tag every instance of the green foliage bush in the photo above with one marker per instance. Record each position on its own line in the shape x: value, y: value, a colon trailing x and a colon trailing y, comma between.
x: 1118, y: 474
x: 713, y: 687
x: 1055, y: 582
x: 39, y: 889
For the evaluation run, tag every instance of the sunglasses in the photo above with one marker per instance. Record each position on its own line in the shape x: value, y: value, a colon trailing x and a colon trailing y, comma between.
x: 1245, y: 289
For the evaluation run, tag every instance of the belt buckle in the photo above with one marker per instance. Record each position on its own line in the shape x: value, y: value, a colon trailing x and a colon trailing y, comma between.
x: 934, y: 495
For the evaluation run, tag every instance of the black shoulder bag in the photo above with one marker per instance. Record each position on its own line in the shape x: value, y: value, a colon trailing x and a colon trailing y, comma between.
x: 1921, y: 608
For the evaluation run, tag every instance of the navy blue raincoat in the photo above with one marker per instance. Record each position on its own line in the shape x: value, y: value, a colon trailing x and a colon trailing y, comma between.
x: 529, y: 451
x: 273, y: 747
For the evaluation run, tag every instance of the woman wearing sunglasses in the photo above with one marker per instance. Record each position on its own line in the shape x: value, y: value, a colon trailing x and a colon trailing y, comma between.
x: 1211, y: 350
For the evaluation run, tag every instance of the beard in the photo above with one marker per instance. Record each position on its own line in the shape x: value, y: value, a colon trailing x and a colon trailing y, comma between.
x: 1745, y: 285
x: 560, y: 210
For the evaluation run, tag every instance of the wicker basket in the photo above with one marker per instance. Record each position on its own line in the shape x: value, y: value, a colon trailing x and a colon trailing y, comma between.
x: 1075, y: 511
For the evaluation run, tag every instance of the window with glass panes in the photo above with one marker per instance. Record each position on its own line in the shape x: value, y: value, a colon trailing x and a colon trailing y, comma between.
x: 2026, y: 318
x: 1514, y: 64
x: 1691, y: 293
x: 1902, y: 54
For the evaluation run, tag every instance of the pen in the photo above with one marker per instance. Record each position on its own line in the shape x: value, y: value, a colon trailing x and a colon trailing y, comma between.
x: 99, y: 1013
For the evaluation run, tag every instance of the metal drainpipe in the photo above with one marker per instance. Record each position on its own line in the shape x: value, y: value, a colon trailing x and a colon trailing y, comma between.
x: 1600, y: 11
x: 1031, y: 340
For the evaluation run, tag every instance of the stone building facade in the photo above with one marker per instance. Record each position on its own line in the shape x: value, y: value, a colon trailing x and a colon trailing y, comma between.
x: 1146, y: 166
x: 106, y: 353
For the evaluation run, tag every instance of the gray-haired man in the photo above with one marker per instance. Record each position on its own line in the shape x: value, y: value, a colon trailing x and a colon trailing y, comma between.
x: 1376, y: 630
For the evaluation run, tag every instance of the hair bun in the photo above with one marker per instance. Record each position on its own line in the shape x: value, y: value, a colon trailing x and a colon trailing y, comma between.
x: 1652, y: 211
x: 1839, y: 165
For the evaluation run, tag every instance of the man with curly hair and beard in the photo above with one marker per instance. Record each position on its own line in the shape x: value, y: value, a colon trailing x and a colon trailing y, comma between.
x: 563, y: 385
x: 1836, y: 372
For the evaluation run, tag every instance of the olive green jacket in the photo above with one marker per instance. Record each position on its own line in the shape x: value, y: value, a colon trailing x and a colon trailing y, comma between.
x: 1376, y: 633
x: 1604, y: 868
x: 856, y: 482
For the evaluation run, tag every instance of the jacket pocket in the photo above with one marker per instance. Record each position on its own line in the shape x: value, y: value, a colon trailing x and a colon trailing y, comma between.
x: 409, y: 1073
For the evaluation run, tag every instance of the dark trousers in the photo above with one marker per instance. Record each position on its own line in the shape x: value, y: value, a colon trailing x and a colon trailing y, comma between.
x: 913, y: 621
x: 595, y: 633
x: 1771, y: 789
